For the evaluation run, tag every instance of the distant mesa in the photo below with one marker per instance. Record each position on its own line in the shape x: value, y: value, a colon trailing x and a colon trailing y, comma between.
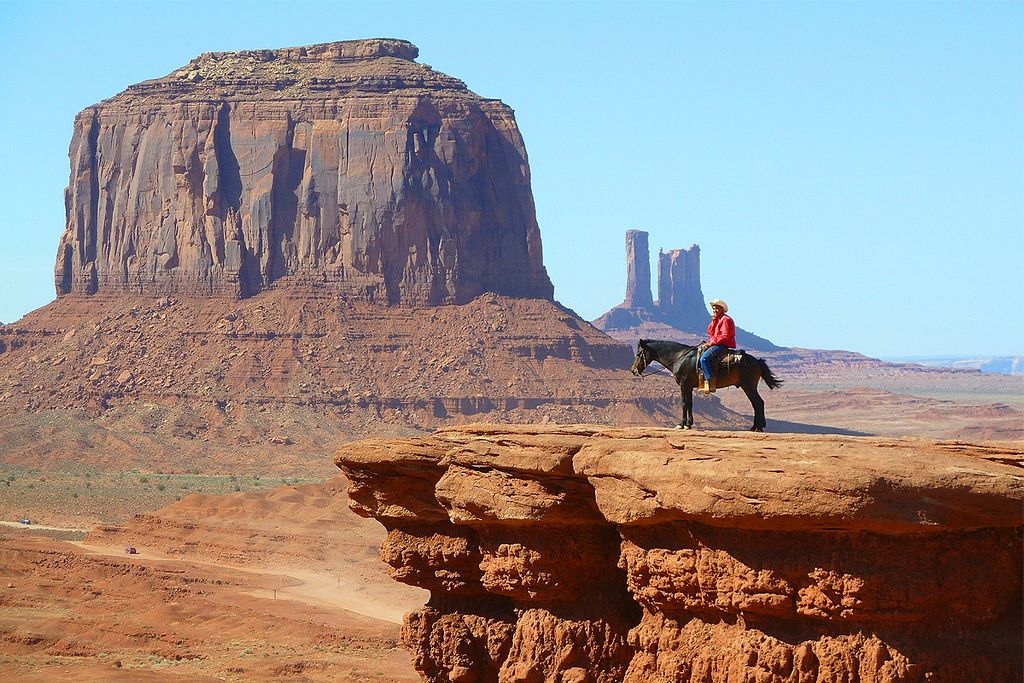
x: 1002, y: 365
x: 346, y: 164
x: 680, y: 311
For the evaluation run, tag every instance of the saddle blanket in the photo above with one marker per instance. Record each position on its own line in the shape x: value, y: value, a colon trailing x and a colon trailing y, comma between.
x: 730, y: 357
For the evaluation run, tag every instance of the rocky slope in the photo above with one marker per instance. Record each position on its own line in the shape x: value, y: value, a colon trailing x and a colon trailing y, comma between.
x: 586, y: 554
x: 295, y: 370
x: 346, y: 163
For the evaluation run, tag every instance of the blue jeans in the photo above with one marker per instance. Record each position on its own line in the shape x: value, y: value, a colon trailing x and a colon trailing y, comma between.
x: 707, y: 360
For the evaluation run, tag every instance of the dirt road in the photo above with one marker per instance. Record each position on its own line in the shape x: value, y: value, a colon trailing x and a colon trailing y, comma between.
x: 310, y: 587
x: 19, y: 525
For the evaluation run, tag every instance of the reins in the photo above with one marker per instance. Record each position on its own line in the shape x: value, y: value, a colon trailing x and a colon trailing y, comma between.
x: 647, y: 364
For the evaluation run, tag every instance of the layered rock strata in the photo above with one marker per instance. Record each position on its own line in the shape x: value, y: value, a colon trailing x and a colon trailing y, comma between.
x: 347, y: 163
x: 579, y: 553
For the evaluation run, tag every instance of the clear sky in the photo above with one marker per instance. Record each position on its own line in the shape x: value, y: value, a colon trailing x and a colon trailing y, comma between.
x: 852, y: 171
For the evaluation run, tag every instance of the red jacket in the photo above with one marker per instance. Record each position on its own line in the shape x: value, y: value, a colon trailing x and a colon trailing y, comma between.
x: 722, y: 331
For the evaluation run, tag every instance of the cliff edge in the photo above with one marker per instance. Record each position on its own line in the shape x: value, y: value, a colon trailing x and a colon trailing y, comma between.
x: 580, y: 553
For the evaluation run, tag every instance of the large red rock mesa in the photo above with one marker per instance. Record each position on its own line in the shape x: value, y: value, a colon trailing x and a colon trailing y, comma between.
x: 335, y: 230
x: 345, y: 163
x: 578, y: 553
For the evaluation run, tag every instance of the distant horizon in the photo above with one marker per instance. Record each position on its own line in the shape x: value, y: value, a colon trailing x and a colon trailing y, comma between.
x: 853, y: 172
x: 969, y: 356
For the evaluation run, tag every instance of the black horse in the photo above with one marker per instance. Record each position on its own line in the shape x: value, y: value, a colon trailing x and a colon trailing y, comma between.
x: 681, y: 361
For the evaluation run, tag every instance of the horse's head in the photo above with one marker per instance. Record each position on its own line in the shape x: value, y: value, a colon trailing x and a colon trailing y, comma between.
x: 642, y: 360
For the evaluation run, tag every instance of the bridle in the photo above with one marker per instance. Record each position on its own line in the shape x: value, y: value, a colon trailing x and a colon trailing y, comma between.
x: 641, y: 353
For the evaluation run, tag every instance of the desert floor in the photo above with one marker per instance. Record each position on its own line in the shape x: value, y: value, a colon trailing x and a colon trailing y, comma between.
x: 268, y: 584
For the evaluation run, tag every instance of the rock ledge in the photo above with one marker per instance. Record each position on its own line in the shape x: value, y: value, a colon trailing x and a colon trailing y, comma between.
x: 582, y: 553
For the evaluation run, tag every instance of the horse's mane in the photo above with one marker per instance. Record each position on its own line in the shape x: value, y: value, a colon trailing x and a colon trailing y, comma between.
x: 665, y: 345
x: 670, y: 354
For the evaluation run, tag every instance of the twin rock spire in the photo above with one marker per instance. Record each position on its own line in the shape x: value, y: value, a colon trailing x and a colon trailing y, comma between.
x: 679, y: 294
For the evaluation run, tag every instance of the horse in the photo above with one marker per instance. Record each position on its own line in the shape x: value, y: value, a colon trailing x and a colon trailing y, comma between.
x: 681, y: 361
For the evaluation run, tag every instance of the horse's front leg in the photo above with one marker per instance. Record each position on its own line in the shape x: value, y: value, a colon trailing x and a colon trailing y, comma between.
x: 689, y: 406
x: 686, y: 398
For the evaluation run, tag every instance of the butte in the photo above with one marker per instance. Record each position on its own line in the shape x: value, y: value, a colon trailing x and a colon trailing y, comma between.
x: 295, y: 245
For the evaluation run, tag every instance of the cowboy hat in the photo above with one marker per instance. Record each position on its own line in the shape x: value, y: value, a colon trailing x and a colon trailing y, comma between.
x: 719, y: 302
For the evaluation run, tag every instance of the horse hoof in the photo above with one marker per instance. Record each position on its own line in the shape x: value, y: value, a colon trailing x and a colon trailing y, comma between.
x: 679, y: 427
x: 757, y: 429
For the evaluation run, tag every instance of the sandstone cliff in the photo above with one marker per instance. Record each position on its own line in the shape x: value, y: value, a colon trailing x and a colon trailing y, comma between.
x: 586, y: 554
x: 347, y: 164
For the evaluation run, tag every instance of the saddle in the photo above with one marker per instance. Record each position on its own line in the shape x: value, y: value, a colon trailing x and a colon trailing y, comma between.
x: 724, y: 362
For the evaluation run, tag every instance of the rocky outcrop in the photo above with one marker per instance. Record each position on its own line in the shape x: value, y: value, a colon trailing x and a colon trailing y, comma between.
x: 334, y: 232
x: 680, y: 313
x: 345, y: 164
x: 680, y: 298
x: 578, y: 553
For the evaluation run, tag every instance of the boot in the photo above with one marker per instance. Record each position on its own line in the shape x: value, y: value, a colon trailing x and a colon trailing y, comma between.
x: 708, y: 388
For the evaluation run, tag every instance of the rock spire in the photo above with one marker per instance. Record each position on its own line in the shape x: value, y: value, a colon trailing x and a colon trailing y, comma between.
x: 679, y: 295
x: 638, y: 270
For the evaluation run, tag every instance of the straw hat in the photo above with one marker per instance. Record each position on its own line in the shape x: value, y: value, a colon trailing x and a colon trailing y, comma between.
x: 719, y: 302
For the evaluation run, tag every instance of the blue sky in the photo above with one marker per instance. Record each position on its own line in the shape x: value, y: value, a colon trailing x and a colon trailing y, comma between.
x: 853, y: 171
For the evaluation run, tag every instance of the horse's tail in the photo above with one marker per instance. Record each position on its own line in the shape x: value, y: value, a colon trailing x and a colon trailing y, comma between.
x: 771, y: 380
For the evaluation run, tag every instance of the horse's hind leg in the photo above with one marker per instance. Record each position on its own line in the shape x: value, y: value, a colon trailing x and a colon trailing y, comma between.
x: 757, y: 403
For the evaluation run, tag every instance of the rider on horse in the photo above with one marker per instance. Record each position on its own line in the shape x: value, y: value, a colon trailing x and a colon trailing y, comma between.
x: 721, y: 337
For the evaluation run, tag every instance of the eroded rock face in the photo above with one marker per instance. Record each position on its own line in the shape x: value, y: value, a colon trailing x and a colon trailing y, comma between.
x: 346, y: 163
x: 581, y: 553
x: 679, y: 294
